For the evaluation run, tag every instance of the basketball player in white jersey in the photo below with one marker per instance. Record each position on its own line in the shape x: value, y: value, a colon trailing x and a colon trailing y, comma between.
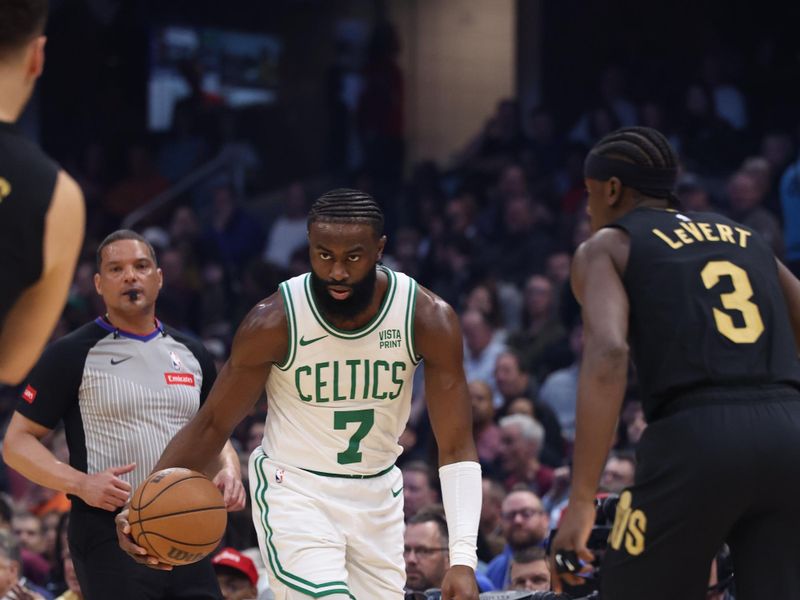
x: 337, y: 349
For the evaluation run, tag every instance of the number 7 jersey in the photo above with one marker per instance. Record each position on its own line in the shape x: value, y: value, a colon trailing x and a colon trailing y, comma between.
x: 340, y: 399
x: 706, y: 306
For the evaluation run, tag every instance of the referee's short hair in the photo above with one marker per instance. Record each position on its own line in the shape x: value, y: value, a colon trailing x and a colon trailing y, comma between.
x: 123, y: 234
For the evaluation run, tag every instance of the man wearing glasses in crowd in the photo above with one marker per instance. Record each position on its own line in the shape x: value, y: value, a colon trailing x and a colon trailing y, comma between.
x: 425, y: 551
x: 525, y: 524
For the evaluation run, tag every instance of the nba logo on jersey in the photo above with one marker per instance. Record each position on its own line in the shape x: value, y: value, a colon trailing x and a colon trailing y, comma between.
x: 279, y: 474
x: 176, y: 362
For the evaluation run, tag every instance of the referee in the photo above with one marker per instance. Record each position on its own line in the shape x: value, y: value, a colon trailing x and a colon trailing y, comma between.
x: 41, y: 208
x: 123, y: 385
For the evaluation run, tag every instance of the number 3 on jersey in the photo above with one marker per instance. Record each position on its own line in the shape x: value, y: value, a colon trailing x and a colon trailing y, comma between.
x: 341, y: 419
x: 738, y: 299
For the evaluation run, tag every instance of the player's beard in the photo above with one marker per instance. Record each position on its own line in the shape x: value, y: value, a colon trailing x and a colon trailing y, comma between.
x: 361, y: 293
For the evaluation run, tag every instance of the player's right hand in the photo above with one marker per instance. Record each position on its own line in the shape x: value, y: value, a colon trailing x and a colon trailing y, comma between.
x: 105, y: 489
x: 573, y: 534
x: 133, y: 550
x: 459, y: 584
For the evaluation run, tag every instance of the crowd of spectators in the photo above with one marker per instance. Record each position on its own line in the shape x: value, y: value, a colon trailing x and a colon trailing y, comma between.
x: 492, y: 233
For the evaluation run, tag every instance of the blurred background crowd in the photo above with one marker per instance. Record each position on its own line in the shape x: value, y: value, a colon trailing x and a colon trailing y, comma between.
x: 212, y: 134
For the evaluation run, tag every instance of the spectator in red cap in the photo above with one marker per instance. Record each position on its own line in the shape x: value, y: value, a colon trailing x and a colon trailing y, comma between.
x: 236, y: 574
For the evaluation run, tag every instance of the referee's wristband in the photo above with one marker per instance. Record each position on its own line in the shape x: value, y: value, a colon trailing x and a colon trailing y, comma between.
x: 461, y: 496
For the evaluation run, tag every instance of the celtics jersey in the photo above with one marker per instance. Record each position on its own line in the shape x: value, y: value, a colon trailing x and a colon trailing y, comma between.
x: 340, y: 399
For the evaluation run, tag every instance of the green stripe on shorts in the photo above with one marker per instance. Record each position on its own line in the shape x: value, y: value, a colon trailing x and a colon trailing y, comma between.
x: 315, y: 590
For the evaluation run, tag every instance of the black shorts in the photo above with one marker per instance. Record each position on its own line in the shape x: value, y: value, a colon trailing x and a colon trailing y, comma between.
x: 727, y: 470
x: 105, y: 572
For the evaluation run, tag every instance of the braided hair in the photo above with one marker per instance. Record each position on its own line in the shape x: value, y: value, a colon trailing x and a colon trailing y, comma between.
x: 641, y: 146
x: 345, y: 205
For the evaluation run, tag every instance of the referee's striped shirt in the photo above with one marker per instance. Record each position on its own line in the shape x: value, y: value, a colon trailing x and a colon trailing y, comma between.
x: 122, y: 397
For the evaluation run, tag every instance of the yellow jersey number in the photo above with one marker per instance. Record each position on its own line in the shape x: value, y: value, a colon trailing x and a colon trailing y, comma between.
x: 738, y: 299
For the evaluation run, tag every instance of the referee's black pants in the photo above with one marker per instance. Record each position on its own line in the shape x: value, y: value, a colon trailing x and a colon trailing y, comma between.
x: 105, y: 572
x: 727, y: 470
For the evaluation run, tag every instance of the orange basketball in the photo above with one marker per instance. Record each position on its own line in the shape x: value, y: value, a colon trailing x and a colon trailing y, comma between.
x: 178, y: 515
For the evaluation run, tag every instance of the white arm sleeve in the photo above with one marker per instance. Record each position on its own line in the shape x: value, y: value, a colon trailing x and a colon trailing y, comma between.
x: 461, y: 496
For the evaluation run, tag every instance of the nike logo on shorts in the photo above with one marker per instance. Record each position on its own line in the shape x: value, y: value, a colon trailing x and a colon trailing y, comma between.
x: 305, y: 342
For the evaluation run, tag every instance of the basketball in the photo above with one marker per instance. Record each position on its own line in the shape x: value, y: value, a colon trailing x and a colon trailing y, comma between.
x: 178, y: 515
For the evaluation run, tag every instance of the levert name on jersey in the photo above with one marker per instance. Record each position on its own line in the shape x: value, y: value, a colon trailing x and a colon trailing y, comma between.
x: 689, y: 232
x: 706, y: 307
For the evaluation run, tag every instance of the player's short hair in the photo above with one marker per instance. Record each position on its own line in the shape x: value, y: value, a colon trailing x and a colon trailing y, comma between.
x: 344, y: 205
x: 119, y: 235
x: 9, y: 546
x: 433, y: 513
x: 20, y: 22
x: 641, y: 146
x: 529, y: 555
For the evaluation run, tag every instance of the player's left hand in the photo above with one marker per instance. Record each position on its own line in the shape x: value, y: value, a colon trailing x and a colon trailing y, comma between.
x: 230, y: 484
x: 459, y: 584
x: 573, y: 534
x: 136, y: 552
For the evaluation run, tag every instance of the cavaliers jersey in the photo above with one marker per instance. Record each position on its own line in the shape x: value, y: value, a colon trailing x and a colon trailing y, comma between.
x: 706, y: 306
x: 340, y: 399
x: 27, y: 181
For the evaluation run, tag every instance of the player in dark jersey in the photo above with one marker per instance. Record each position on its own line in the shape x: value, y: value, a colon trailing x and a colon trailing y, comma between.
x: 713, y: 323
x: 41, y: 207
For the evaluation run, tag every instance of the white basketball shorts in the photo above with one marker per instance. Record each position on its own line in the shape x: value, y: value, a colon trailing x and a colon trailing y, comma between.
x: 328, y: 537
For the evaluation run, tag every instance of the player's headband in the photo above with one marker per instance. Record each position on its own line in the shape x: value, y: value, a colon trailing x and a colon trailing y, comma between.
x: 644, y: 179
